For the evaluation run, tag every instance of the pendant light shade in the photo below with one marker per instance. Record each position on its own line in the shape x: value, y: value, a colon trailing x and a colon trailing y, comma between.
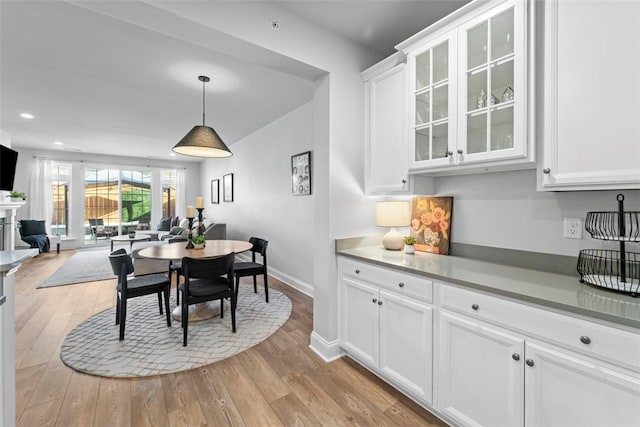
x: 202, y: 141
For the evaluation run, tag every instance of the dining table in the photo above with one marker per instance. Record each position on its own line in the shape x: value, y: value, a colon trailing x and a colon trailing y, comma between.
x: 177, y: 251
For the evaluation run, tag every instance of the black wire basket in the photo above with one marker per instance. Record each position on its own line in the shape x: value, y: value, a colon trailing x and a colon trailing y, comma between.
x: 618, y: 270
x: 603, y: 267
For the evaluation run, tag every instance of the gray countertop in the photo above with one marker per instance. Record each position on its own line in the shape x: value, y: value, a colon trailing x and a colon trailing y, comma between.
x: 10, y: 259
x: 559, y: 291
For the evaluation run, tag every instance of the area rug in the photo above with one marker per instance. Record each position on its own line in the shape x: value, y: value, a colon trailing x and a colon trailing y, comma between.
x: 86, y: 265
x: 151, y: 348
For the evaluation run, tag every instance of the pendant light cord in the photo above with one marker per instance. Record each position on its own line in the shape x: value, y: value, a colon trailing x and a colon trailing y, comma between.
x: 203, y: 83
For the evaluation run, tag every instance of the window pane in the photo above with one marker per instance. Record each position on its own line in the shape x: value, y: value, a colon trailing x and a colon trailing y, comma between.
x: 60, y: 179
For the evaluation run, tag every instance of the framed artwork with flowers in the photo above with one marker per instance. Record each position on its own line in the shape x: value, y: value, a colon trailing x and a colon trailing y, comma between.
x: 431, y: 223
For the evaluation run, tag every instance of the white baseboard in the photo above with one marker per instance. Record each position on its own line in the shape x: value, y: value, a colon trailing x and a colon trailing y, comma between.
x: 328, y: 351
x: 299, y: 285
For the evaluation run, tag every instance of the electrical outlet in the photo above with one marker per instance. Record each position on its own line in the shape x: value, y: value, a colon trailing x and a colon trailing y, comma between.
x: 573, y: 228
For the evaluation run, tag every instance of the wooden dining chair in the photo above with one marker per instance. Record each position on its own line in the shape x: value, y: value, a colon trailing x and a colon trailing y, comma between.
x: 132, y: 287
x: 207, y: 279
x: 253, y: 268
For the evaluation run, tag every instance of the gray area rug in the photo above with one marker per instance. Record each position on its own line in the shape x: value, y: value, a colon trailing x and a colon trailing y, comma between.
x: 151, y: 348
x: 86, y: 265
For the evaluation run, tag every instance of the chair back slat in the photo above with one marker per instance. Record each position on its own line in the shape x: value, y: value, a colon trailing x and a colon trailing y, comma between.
x: 118, y: 259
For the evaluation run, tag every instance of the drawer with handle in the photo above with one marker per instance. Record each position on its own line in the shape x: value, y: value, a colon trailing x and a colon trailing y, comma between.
x: 609, y: 342
x: 406, y: 284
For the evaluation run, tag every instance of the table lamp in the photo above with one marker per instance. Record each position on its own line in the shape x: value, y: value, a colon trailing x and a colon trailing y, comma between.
x: 393, y: 214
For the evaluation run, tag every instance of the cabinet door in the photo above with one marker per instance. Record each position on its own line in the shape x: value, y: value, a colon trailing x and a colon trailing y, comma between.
x: 386, y: 125
x: 564, y: 389
x: 591, y: 96
x: 359, y: 323
x: 481, y: 375
x: 493, y: 86
x: 406, y: 343
x: 432, y: 108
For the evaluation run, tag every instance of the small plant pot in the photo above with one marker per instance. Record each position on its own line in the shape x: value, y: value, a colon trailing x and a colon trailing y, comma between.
x: 409, y: 249
x: 132, y: 234
x: 198, y: 245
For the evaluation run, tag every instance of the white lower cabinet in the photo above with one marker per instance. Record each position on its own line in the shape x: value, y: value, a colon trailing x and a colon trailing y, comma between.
x: 481, y: 379
x: 388, y: 331
x: 567, y: 389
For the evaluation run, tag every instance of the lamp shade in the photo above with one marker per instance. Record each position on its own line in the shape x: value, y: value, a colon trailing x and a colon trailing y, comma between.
x: 393, y: 214
x: 202, y: 141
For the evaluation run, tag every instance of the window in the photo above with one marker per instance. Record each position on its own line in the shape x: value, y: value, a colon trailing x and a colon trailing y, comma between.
x: 60, y: 180
x: 135, y: 199
x: 101, y: 195
x: 168, y: 180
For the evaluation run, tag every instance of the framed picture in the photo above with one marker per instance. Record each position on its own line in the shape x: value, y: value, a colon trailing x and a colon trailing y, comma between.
x: 227, y: 187
x: 301, y: 174
x: 431, y: 224
x: 215, y: 191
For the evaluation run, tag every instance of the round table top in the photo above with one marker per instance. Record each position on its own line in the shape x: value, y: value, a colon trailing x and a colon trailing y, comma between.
x: 178, y: 250
x: 126, y: 238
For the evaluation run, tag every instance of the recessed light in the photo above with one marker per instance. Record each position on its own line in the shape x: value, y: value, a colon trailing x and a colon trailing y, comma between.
x: 275, y: 24
x: 58, y: 143
x: 27, y: 116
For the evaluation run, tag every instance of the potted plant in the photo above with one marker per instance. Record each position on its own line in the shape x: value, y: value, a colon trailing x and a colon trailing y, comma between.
x: 198, y: 241
x: 16, y: 196
x: 409, y: 241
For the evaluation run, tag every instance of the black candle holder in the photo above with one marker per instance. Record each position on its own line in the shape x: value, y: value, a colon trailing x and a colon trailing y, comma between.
x: 200, y: 225
x: 189, y: 241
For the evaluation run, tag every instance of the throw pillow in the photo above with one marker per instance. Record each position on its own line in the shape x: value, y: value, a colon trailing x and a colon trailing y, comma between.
x: 184, y: 223
x: 165, y: 224
x: 100, y: 229
x: 175, y: 230
x: 176, y: 221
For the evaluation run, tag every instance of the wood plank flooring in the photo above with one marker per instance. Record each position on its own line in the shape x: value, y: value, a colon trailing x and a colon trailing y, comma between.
x: 279, y: 382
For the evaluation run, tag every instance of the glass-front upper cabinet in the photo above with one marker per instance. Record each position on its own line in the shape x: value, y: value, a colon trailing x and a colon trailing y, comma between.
x: 433, y: 102
x: 493, y: 85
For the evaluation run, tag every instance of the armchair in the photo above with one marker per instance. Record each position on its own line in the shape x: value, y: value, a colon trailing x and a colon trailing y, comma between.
x: 98, y: 229
x: 34, y: 233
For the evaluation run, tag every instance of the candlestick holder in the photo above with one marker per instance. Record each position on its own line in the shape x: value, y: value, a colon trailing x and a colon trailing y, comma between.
x: 200, y: 225
x: 189, y: 241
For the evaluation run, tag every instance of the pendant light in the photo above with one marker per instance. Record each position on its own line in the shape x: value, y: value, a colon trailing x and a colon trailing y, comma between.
x: 202, y: 141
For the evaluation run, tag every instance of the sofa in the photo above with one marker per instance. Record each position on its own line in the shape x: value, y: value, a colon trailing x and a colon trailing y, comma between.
x: 144, y: 266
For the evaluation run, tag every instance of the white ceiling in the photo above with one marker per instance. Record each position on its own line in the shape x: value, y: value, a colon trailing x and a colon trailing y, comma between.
x: 102, y: 85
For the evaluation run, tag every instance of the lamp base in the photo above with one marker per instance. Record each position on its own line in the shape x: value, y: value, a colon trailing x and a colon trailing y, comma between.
x: 393, y: 241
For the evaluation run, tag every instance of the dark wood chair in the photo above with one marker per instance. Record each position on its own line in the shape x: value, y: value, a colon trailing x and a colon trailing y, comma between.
x: 127, y: 287
x: 207, y: 279
x: 253, y: 268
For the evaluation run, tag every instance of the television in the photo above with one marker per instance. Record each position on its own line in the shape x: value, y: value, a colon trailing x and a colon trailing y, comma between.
x: 8, y: 160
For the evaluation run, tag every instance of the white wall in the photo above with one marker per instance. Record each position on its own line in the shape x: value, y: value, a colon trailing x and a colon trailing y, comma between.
x: 504, y: 210
x: 263, y: 205
x: 79, y: 160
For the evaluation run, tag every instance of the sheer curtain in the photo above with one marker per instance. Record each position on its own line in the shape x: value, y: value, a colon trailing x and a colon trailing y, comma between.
x: 181, y: 193
x: 40, y: 193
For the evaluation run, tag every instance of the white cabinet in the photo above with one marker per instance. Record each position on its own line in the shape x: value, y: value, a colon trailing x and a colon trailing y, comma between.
x: 388, y: 331
x: 470, y: 91
x: 494, y: 369
x: 568, y: 389
x: 386, y: 170
x: 480, y: 374
x: 591, y: 96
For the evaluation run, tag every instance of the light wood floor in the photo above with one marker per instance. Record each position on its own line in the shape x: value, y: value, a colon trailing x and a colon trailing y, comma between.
x: 278, y: 382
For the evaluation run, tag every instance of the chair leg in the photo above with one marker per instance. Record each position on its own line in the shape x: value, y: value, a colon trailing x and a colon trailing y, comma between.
x: 160, y: 302
x: 185, y: 321
x: 123, y: 317
x: 255, y: 285
x: 117, y: 308
x: 266, y: 288
x: 221, y: 308
x: 233, y: 316
x: 237, y: 286
x: 177, y: 291
x: 166, y: 304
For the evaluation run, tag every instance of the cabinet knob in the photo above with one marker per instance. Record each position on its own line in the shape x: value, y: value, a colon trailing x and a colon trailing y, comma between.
x: 357, y: 271
x: 475, y: 306
x: 460, y: 151
x: 375, y: 300
x: 401, y: 284
x: 585, y: 339
x: 546, y: 171
x: 404, y: 181
x: 448, y: 153
x: 379, y: 302
x: 515, y: 356
x: 529, y: 362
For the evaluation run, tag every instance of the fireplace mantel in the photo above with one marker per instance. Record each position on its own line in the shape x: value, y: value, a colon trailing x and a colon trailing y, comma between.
x: 8, y: 211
